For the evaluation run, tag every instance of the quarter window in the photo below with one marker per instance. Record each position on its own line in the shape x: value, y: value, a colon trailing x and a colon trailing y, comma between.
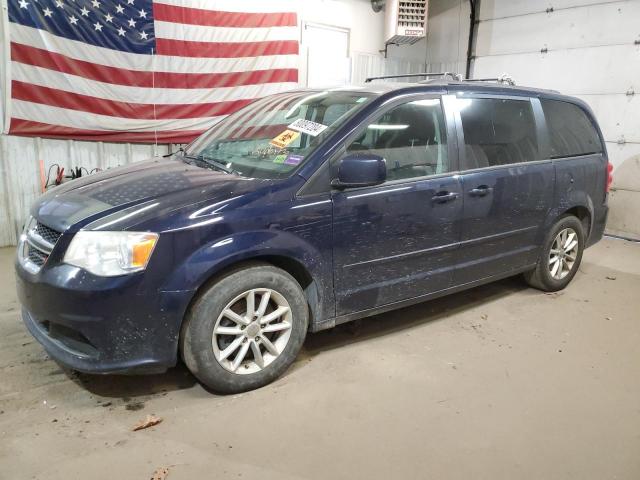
x: 410, y: 137
x: 570, y: 130
x: 497, y: 132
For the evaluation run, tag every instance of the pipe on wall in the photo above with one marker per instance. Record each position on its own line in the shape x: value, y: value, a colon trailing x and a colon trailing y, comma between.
x: 473, y: 27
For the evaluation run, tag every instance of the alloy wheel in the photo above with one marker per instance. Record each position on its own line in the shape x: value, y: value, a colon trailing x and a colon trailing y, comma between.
x: 252, y: 331
x: 563, y: 254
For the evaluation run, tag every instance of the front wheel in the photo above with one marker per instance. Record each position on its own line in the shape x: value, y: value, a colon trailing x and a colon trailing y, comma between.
x: 560, y: 257
x: 246, y: 329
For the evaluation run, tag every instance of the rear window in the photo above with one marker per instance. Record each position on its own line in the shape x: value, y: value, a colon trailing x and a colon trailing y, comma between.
x: 497, y: 132
x: 570, y: 130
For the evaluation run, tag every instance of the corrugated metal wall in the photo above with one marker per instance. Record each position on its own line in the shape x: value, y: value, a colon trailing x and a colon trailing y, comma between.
x: 20, y: 170
x: 589, y: 49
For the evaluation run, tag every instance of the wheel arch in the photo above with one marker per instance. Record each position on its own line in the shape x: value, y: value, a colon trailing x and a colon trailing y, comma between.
x: 308, y: 274
x: 584, y: 215
x: 580, y: 206
x: 292, y: 266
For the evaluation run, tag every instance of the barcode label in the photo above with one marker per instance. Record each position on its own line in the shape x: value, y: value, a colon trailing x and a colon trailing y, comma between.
x: 307, y: 126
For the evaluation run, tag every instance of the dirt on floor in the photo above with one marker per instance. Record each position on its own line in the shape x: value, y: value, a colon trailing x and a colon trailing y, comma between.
x: 499, y: 382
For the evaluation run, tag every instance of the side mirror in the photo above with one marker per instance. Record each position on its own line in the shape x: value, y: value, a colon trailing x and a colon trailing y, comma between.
x: 360, y: 170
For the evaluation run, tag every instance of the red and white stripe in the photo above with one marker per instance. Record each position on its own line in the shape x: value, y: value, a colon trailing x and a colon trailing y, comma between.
x: 213, y: 57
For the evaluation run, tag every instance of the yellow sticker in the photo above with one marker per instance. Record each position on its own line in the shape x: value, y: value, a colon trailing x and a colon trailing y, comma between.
x: 285, y: 138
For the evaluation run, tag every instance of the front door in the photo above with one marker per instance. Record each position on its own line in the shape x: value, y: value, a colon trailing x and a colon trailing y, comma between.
x: 507, y: 186
x: 397, y: 240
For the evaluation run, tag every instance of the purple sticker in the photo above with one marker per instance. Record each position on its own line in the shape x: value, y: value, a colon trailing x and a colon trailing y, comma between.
x: 293, y: 159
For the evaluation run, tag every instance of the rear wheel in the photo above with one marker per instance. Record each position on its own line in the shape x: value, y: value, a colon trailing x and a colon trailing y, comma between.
x: 246, y: 329
x: 560, y: 257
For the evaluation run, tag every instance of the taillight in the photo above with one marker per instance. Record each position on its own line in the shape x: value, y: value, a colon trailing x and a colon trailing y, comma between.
x: 609, y: 176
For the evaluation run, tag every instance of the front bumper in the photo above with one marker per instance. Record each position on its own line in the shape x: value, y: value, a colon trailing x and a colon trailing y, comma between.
x: 102, y: 325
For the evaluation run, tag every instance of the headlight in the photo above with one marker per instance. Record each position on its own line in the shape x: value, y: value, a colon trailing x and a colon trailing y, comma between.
x: 109, y: 254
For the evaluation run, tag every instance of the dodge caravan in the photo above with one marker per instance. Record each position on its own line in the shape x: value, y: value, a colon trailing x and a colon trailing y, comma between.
x: 305, y: 210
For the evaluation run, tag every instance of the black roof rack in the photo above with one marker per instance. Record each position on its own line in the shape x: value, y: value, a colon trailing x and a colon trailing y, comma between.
x: 506, y: 79
x: 454, y: 76
x: 501, y: 79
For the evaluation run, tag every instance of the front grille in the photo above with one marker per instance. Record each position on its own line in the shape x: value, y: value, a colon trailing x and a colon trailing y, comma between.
x: 37, y: 244
x: 49, y: 234
x: 36, y: 256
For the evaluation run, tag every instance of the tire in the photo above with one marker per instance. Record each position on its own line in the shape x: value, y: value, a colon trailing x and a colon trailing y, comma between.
x: 225, y: 305
x: 543, y: 276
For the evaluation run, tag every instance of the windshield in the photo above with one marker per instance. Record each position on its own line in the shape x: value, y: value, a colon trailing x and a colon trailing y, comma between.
x: 275, y: 135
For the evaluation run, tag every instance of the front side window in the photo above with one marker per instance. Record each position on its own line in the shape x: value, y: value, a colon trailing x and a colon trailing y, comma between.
x: 273, y: 136
x: 410, y: 137
x: 570, y: 130
x: 497, y: 132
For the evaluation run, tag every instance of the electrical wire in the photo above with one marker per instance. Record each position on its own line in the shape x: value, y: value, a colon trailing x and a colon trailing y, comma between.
x: 88, y: 172
x: 46, y: 185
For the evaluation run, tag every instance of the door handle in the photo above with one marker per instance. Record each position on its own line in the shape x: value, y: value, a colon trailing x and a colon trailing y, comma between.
x: 480, y: 191
x: 444, y: 197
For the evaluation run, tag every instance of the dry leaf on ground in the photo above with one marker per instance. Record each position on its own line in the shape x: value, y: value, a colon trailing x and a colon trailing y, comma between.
x: 150, y: 421
x: 160, y: 473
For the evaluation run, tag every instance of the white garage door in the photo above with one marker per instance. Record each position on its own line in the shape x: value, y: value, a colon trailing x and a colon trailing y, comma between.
x: 588, y: 49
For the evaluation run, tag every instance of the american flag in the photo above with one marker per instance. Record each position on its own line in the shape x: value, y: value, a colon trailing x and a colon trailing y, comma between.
x: 144, y: 70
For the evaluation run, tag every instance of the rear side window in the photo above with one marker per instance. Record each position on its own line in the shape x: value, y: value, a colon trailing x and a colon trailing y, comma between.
x: 497, y: 132
x: 570, y: 130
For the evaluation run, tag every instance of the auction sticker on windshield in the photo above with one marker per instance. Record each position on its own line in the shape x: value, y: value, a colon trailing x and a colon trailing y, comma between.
x: 307, y: 126
x: 284, y: 139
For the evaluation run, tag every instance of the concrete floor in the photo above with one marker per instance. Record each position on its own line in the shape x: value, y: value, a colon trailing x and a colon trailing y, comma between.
x: 500, y: 382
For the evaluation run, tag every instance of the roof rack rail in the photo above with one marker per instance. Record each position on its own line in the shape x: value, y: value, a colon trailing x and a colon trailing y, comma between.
x: 454, y: 76
x: 501, y: 79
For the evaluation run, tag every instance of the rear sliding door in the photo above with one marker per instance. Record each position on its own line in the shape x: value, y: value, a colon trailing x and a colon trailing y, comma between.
x: 507, y: 186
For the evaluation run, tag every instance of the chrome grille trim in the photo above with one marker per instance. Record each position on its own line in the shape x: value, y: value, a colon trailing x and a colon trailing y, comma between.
x: 39, y: 243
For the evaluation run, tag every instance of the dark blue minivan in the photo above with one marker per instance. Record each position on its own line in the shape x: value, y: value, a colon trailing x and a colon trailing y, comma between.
x: 304, y: 210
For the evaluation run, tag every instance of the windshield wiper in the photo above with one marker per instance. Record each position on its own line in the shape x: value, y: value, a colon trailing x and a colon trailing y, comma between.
x: 171, y: 154
x: 211, y: 162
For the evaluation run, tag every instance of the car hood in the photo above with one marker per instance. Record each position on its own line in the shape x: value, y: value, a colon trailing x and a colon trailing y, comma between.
x: 158, y: 182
